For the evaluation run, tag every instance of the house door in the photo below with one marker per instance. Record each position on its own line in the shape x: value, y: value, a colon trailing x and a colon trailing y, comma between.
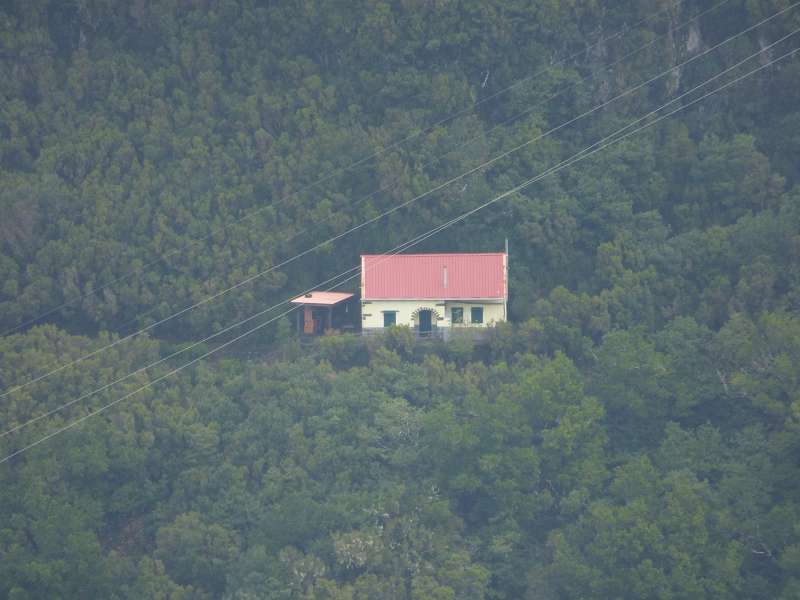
x: 425, y: 322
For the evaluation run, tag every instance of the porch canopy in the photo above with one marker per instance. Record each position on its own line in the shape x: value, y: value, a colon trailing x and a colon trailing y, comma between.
x: 312, y: 321
x: 322, y: 298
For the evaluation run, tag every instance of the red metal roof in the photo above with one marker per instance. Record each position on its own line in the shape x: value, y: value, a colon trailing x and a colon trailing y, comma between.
x: 322, y: 298
x: 433, y: 276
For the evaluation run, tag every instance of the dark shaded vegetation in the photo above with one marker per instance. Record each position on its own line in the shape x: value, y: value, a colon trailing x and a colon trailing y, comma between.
x: 635, y: 433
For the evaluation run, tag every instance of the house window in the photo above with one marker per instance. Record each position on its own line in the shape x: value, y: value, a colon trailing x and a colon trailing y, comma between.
x: 457, y: 314
x: 389, y: 318
x: 477, y: 314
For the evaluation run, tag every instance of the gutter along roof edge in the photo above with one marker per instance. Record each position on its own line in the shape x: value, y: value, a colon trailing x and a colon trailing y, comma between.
x: 491, y: 299
x: 434, y: 254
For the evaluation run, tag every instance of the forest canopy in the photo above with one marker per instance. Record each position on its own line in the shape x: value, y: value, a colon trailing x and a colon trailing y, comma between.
x: 633, y: 432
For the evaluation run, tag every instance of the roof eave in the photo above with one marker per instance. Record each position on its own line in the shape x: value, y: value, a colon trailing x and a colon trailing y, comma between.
x: 488, y: 299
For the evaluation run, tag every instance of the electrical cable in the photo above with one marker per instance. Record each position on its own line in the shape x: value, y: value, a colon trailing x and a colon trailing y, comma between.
x: 353, y: 165
x: 577, y: 157
x: 482, y: 134
x: 394, y: 251
x: 397, y: 207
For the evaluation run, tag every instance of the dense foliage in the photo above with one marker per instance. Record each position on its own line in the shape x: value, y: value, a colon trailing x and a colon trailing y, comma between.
x: 665, y: 467
x: 635, y: 433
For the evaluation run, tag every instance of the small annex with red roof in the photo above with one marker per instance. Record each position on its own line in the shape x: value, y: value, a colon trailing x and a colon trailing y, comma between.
x: 432, y: 291
x: 320, y: 311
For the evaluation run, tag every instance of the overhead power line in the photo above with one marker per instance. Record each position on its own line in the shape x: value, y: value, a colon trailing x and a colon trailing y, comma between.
x: 614, y: 138
x: 397, y: 207
x: 480, y: 135
x: 394, y: 251
x: 263, y: 312
x: 331, y: 174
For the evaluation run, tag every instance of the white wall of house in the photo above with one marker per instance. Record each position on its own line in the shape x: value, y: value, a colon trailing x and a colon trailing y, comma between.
x: 372, y: 312
x: 493, y: 312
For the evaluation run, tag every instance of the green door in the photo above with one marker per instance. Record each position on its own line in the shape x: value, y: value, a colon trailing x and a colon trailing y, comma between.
x: 425, y: 322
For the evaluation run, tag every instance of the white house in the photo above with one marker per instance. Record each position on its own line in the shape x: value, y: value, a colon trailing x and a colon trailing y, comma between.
x: 433, y: 291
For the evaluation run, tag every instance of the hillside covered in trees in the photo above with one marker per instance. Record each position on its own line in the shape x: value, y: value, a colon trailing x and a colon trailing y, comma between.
x: 634, y: 432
